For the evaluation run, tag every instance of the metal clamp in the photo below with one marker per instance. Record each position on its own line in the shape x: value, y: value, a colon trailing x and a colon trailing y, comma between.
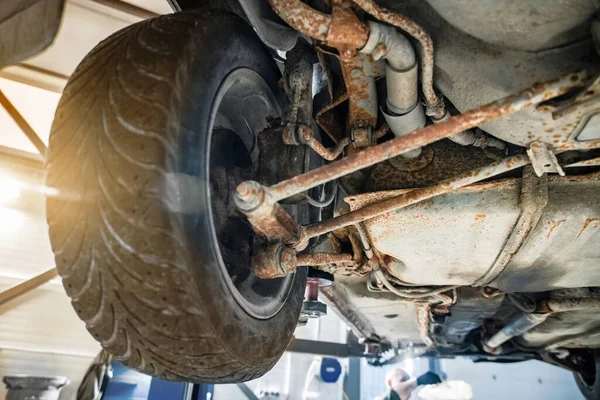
x: 543, y: 159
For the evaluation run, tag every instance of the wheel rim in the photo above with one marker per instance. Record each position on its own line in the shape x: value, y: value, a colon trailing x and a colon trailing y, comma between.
x: 241, y: 109
x: 588, y: 379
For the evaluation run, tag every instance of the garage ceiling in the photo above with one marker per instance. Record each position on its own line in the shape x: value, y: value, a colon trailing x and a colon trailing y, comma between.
x: 34, y: 86
x: 40, y: 328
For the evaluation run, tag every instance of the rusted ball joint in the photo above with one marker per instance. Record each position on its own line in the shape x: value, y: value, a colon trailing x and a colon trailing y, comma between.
x: 249, y: 195
x: 274, y: 261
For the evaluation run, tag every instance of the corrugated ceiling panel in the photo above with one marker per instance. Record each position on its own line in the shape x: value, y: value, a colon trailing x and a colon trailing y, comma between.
x: 24, y: 244
x: 43, y: 320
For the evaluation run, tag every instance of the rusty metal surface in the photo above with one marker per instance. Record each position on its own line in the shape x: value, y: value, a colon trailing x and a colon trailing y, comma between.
x: 341, y: 30
x: 316, y: 259
x: 346, y: 33
x: 303, y: 18
x: 533, y: 200
x: 587, y: 100
x: 543, y: 160
x: 518, y: 326
x: 329, y: 154
x: 298, y: 84
x: 500, y: 232
x: 470, y: 72
x: 412, y: 164
x: 426, y: 135
x: 422, y: 314
x: 270, y: 221
x: 593, y: 162
x: 381, y: 132
x: 447, y: 240
x: 562, y: 250
x: 273, y: 261
x: 333, y: 117
x: 330, y: 120
x: 414, y: 196
x: 572, y: 304
x: 276, y: 261
x: 434, y: 102
x: 448, y: 159
x: 359, y: 77
x: 577, y: 326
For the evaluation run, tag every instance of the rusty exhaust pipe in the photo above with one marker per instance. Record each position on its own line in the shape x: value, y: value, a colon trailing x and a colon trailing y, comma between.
x: 435, y: 105
x: 517, y: 327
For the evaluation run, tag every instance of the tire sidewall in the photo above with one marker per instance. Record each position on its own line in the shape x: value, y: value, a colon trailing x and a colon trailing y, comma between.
x: 590, y: 392
x: 232, y: 45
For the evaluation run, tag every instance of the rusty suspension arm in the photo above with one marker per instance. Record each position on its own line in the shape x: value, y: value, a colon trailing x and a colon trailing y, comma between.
x: 412, y: 197
x: 259, y: 202
x: 424, y: 136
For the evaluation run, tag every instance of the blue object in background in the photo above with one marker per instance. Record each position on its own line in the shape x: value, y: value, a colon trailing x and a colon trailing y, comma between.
x: 331, y: 369
x: 162, y: 390
x: 127, y: 384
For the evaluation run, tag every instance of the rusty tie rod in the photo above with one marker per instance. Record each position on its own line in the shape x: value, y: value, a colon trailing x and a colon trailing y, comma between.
x: 424, y: 136
x: 418, y: 138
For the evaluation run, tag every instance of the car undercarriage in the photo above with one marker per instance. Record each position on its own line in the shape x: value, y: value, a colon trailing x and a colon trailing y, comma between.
x: 432, y: 168
x: 454, y: 227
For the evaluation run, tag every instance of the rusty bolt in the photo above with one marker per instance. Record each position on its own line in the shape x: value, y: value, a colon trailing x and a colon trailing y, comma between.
x: 274, y: 261
x: 249, y: 195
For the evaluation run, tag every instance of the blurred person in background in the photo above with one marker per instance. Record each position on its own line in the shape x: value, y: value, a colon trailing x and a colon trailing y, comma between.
x: 400, y: 385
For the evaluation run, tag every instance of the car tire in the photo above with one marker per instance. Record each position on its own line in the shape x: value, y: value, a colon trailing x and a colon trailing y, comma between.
x: 589, y: 383
x: 132, y: 215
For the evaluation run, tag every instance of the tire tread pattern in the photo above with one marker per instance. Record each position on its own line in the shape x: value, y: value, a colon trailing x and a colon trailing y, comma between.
x: 120, y: 254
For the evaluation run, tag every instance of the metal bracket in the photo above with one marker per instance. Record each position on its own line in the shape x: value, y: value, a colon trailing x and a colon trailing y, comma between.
x: 543, y: 159
x: 587, y: 100
x: 534, y: 197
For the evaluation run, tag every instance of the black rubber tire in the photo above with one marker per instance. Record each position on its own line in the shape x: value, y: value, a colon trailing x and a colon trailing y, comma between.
x: 146, y: 280
x: 589, y: 389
